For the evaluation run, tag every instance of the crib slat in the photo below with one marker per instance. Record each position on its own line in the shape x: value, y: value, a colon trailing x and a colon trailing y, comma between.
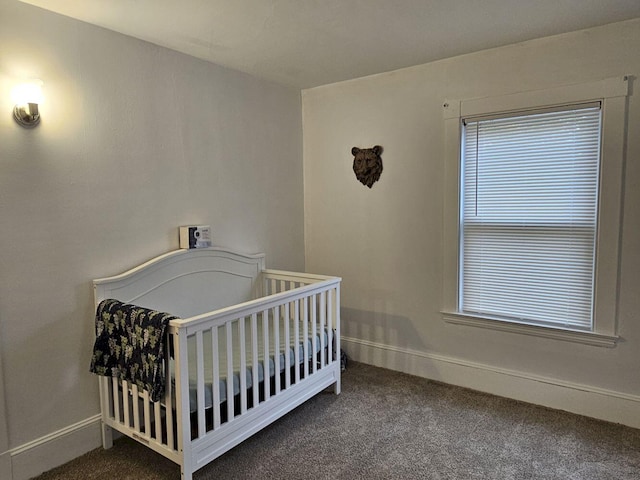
x: 125, y: 403
x: 314, y: 340
x: 116, y: 398
x: 254, y: 356
x: 136, y: 408
x: 216, y: 377
x: 169, y: 397
x: 243, y: 365
x: 296, y: 336
x: 330, y: 326
x: 156, y: 415
x: 147, y: 413
x: 157, y: 407
x: 276, y: 346
x: 229, y: 327
x: 200, y: 382
x: 292, y: 285
x: 265, y: 360
x: 287, y: 343
x: 323, y: 313
x: 305, y: 334
x: 337, y: 386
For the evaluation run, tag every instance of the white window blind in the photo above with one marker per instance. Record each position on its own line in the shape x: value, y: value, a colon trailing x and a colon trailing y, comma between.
x: 529, y: 199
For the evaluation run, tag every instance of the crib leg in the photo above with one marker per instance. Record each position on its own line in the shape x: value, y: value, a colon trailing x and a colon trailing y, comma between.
x: 107, y: 437
x: 185, y: 473
x: 336, y: 386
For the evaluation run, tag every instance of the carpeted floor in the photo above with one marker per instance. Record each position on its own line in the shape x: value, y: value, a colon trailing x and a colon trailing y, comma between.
x: 387, y: 425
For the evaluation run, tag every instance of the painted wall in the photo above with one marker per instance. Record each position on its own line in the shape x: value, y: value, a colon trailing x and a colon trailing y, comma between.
x: 387, y: 242
x: 135, y: 140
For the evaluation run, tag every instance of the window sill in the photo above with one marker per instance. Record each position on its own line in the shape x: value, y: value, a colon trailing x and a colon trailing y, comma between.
x: 577, y: 336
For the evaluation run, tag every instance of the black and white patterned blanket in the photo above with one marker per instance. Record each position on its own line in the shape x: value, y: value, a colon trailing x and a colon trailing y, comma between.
x: 130, y: 345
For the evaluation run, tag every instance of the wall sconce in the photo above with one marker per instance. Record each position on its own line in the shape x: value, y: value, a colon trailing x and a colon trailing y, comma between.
x: 27, y: 97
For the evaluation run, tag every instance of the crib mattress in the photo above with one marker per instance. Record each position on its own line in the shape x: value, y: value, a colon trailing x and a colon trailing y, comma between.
x: 248, y: 371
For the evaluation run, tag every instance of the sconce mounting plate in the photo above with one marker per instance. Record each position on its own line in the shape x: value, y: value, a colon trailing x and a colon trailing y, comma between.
x: 27, y: 115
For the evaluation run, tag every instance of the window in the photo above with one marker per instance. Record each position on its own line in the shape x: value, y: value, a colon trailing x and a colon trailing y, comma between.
x: 528, y: 204
x: 536, y: 211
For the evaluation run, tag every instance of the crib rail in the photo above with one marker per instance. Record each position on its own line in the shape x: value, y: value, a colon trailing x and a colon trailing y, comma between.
x: 234, y: 364
x: 294, y: 307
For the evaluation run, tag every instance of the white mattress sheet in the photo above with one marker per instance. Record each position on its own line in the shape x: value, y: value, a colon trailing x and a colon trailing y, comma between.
x: 208, y: 364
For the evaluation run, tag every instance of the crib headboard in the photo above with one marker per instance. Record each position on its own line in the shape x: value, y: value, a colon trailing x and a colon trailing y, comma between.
x: 187, y: 282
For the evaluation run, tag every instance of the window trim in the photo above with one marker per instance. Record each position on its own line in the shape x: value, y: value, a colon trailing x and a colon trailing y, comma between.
x: 612, y: 93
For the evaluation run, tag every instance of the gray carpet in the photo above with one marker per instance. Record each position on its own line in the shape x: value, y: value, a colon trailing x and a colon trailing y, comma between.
x: 388, y: 425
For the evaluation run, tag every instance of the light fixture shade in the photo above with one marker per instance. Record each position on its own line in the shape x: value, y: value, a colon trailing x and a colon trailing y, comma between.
x: 28, y: 92
x: 27, y: 96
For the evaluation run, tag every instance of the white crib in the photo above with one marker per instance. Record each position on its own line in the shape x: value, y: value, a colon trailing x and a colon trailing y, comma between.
x: 268, y: 340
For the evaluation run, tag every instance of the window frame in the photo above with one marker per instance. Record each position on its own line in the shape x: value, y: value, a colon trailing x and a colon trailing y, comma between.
x: 612, y: 93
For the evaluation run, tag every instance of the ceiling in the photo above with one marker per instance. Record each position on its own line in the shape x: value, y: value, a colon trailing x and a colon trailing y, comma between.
x: 306, y: 43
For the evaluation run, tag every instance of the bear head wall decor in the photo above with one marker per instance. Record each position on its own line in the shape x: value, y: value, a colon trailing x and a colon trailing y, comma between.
x: 367, y: 164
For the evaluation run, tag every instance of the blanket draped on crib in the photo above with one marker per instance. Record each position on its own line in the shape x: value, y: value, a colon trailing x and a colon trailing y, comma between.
x: 130, y: 345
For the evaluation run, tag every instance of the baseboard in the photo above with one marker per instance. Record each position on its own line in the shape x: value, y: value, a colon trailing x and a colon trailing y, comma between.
x: 54, y: 449
x: 585, y: 400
